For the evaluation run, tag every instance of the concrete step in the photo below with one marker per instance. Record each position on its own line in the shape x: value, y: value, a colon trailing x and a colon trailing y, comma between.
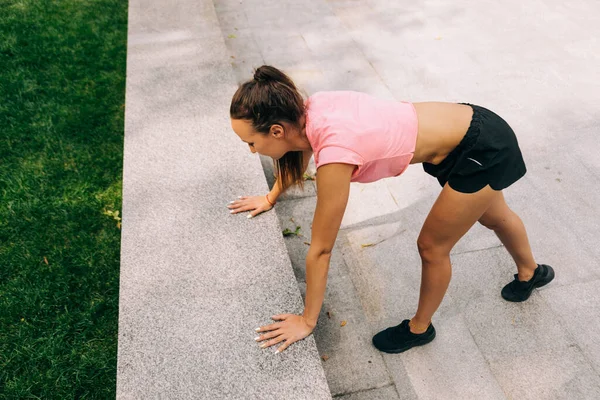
x: 535, y: 65
x: 195, y: 280
x: 538, y: 72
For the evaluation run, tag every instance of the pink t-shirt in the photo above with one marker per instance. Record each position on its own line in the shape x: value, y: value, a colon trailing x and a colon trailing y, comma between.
x: 378, y: 136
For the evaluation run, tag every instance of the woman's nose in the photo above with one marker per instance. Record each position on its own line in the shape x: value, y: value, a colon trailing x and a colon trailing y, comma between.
x: 252, y: 149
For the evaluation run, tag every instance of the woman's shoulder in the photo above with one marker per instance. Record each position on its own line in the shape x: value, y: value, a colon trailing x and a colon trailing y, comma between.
x: 332, y: 102
x: 344, y: 98
x: 339, y: 94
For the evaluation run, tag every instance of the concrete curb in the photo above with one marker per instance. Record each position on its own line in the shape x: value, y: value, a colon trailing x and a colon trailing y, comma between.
x: 195, y: 280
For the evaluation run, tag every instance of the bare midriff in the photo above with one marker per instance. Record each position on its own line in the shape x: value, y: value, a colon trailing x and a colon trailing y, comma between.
x: 441, y: 128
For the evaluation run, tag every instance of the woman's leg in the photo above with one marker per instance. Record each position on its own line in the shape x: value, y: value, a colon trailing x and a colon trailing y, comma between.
x: 510, y: 230
x: 452, y: 215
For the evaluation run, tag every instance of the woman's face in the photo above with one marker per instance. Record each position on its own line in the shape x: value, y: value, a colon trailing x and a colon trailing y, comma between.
x: 272, y: 144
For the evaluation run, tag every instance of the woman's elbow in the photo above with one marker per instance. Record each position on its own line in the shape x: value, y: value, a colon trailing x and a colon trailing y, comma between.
x: 319, y: 251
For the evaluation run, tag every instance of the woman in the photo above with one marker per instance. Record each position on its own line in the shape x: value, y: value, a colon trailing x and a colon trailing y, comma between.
x: 354, y: 137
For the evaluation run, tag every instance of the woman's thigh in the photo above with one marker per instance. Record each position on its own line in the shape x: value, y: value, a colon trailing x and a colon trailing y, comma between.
x: 451, y: 216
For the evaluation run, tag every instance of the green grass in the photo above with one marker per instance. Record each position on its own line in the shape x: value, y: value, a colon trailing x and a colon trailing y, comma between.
x: 62, y: 86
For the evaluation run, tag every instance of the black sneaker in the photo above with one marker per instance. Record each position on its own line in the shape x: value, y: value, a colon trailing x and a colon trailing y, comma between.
x: 520, y: 291
x: 399, y: 338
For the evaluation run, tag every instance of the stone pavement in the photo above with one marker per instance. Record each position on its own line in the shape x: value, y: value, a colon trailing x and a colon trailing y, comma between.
x: 195, y: 280
x: 536, y: 64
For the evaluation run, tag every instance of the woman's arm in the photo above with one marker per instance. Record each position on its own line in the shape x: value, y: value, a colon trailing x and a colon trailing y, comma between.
x: 333, y: 189
x: 259, y: 204
x: 276, y: 191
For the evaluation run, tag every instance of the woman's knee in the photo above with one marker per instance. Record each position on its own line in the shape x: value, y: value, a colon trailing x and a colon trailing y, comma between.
x: 430, y: 250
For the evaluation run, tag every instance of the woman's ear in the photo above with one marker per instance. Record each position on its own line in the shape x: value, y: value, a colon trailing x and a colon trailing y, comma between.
x: 277, y: 131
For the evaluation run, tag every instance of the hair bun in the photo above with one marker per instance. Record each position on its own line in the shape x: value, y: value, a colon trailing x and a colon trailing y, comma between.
x: 266, y: 73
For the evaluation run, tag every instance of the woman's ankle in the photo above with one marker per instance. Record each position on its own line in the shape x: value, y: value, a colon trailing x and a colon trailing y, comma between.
x: 526, y: 273
x: 418, y: 327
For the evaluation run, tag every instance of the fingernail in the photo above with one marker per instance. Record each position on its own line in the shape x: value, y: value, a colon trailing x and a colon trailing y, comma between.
x: 239, y: 197
x: 231, y: 202
x: 257, y: 329
x: 249, y: 216
x: 231, y: 212
x: 257, y: 338
x: 263, y: 346
x: 277, y: 352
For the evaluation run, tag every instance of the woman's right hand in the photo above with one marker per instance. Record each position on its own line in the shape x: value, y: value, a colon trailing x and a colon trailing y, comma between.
x: 254, y: 204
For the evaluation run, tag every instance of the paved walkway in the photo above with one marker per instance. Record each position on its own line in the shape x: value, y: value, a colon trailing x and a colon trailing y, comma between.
x: 536, y: 64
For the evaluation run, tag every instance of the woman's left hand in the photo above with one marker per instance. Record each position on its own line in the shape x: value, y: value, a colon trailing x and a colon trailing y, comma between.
x: 290, y: 329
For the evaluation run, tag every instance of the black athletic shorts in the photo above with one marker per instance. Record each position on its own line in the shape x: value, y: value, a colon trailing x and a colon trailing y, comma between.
x: 489, y: 154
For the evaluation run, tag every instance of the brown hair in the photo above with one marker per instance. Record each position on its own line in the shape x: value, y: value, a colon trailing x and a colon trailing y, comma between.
x: 268, y: 99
